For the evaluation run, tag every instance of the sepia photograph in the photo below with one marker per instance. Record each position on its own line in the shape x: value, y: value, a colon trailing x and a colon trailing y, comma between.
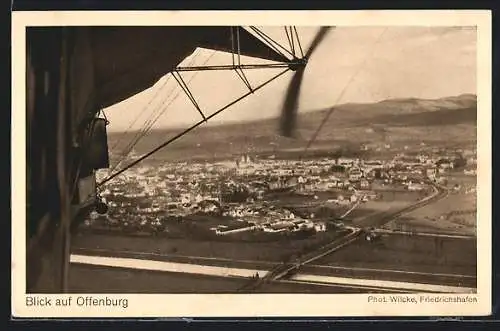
x: 250, y: 165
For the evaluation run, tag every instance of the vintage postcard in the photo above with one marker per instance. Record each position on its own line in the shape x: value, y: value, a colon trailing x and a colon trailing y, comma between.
x: 251, y: 164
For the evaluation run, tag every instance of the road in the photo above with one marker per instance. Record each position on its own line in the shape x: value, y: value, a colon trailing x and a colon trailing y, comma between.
x: 286, y: 269
x: 336, y: 277
x: 282, y: 270
x: 426, y: 234
x: 382, y: 218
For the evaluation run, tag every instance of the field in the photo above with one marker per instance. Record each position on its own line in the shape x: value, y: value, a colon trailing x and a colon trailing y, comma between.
x: 408, y: 253
x: 182, y: 259
x: 370, y: 213
x: 456, y: 213
x: 200, y: 227
x: 118, y: 280
x: 361, y: 214
x: 399, y: 258
x: 275, y: 251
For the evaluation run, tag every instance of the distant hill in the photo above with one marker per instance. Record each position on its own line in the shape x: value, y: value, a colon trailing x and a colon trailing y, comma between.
x: 450, y: 120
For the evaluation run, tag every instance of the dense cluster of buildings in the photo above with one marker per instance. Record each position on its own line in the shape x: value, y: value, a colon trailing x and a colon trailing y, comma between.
x: 280, y: 226
x: 238, y: 188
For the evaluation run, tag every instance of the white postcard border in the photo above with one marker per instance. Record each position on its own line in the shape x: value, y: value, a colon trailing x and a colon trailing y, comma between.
x: 254, y: 305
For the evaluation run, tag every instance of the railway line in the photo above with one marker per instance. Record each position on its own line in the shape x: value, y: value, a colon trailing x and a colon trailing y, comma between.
x: 286, y: 269
x: 294, y: 271
x: 385, y: 217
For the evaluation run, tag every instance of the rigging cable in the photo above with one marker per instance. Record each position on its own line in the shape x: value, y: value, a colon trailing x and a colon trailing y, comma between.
x: 126, y: 151
x: 194, y: 126
x: 129, y: 147
x: 139, y: 134
x: 330, y: 111
x: 138, y: 115
x: 154, y: 116
x: 151, y: 123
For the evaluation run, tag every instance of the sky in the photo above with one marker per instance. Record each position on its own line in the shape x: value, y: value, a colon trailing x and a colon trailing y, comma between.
x: 351, y: 65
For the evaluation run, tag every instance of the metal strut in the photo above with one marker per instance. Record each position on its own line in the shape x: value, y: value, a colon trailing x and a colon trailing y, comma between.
x: 242, y: 66
x: 235, y: 44
x: 186, y: 90
x: 291, y: 35
x: 244, y: 78
x: 272, y: 43
x: 288, y: 36
x: 292, y: 63
x: 293, y: 40
x: 194, y: 126
x: 231, y: 29
x: 237, y: 66
x: 298, y: 41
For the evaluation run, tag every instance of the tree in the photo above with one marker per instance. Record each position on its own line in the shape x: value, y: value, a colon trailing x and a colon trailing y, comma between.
x: 338, y: 169
x: 460, y: 161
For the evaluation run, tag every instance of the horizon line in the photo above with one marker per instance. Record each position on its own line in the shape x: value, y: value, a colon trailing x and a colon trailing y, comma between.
x: 233, y: 122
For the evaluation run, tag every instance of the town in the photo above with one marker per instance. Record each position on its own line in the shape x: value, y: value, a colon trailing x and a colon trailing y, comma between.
x: 251, y: 196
